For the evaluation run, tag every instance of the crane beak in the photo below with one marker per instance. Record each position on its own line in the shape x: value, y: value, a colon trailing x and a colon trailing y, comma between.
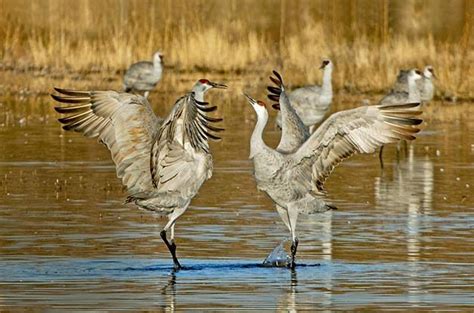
x: 218, y: 85
x: 251, y: 100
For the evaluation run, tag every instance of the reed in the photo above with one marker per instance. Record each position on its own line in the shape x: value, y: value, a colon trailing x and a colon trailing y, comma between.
x: 367, y: 40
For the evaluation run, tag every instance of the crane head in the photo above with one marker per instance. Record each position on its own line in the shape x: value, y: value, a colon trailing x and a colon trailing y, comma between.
x: 204, y: 85
x: 158, y: 57
x: 258, y: 105
x: 325, y: 63
x: 429, y: 72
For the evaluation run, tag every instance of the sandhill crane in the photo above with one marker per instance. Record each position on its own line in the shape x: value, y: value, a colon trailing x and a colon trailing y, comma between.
x: 401, y: 82
x: 427, y: 89
x: 400, y: 97
x: 312, y: 102
x: 161, y: 163
x: 425, y: 85
x: 294, y: 181
x: 143, y: 76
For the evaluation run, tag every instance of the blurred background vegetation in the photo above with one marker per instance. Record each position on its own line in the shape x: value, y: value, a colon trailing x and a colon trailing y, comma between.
x: 369, y: 41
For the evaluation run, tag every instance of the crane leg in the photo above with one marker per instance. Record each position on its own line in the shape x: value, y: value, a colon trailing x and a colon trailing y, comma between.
x: 381, y: 157
x: 284, y: 216
x: 172, y: 248
x: 398, y: 152
x: 170, y: 244
x: 294, y: 247
x: 292, y: 217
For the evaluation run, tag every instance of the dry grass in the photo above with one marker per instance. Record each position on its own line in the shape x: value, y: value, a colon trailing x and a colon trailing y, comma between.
x: 368, y: 40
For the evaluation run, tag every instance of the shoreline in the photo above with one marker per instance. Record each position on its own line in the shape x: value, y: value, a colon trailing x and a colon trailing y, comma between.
x: 44, y: 79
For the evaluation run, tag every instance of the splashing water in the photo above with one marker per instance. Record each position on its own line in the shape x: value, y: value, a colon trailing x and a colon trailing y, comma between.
x: 278, y: 257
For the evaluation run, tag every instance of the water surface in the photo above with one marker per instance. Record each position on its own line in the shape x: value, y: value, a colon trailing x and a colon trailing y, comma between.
x: 402, y: 238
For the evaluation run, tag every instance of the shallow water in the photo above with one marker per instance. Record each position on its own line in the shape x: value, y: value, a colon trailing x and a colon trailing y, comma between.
x: 401, y: 238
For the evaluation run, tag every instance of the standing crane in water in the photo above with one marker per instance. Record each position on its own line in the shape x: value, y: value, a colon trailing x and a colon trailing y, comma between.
x: 425, y: 85
x: 162, y: 163
x: 312, y: 102
x: 143, y: 76
x: 428, y: 88
x: 401, y: 95
x: 294, y: 180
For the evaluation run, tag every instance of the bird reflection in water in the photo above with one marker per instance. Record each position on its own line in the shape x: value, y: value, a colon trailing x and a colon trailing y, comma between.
x: 410, y: 189
x: 169, y: 292
x: 287, y: 301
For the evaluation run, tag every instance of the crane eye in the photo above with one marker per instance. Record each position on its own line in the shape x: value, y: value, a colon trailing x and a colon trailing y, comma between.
x: 203, y: 81
x: 261, y: 103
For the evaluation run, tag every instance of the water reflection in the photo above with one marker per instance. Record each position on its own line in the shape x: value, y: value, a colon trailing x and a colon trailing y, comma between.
x: 67, y: 241
x: 320, y: 227
x: 410, y: 186
x: 410, y: 190
x: 169, y: 291
x: 287, y: 301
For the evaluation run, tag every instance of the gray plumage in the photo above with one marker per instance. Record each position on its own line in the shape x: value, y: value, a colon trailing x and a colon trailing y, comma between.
x: 400, y: 95
x: 142, y: 77
x: 312, y: 103
x: 294, y: 181
x: 162, y: 163
x: 294, y: 131
x: 428, y: 89
x: 425, y: 85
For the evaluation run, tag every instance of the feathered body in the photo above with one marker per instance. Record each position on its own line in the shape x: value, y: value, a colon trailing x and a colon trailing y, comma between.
x: 425, y: 85
x: 311, y: 103
x: 400, y: 96
x: 294, y: 180
x: 162, y: 163
x: 142, y: 77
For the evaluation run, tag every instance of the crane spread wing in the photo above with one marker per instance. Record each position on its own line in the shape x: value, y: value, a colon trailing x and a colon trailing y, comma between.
x: 293, y: 132
x: 180, y: 158
x: 359, y: 130
x: 125, y: 123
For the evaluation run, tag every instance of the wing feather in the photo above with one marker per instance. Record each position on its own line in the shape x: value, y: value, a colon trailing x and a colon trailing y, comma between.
x: 294, y: 132
x: 359, y: 130
x: 125, y: 123
x: 180, y: 157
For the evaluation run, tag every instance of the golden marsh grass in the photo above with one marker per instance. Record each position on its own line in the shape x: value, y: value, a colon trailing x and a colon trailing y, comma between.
x: 369, y: 41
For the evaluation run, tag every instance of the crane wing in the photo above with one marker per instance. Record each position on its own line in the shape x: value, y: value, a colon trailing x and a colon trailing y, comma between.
x: 293, y: 132
x: 124, y: 123
x: 359, y: 130
x: 180, y: 158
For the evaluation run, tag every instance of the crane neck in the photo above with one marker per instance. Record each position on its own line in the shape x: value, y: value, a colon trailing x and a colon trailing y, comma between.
x: 428, y: 89
x: 427, y: 82
x: 327, y: 77
x: 256, y: 141
x: 199, y: 95
x: 157, y: 66
x: 413, y: 91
